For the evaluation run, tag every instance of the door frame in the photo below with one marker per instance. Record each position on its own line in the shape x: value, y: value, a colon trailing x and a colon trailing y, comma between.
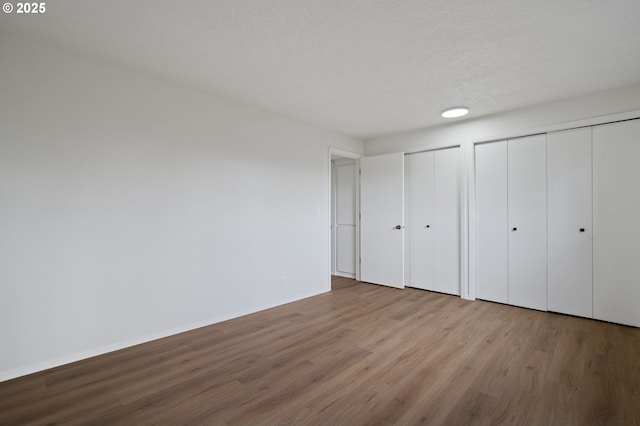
x: 353, y: 156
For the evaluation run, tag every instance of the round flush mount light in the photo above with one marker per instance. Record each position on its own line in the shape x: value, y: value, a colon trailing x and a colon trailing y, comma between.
x: 455, y: 112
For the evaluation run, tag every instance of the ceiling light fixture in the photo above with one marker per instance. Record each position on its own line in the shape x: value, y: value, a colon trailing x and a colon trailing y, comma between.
x: 455, y: 112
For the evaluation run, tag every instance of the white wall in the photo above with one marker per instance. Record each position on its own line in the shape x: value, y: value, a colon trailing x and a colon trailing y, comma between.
x: 584, y: 110
x: 132, y: 208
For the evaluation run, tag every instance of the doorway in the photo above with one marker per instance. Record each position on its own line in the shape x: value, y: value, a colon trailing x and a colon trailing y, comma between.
x: 344, y: 217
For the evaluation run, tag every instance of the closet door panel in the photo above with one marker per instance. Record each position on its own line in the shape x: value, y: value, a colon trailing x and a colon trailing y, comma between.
x: 491, y: 222
x: 382, y: 220
x: 527, y: 206
x: 570, y: 281
x: 420, y: 218
x: 446, y: 229
x: 616, y: 222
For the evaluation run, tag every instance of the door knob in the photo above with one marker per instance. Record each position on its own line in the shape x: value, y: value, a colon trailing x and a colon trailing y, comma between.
x: 399, y: 226
x: 427, y: 226
x: 514, y: 229
x: 581, y: 229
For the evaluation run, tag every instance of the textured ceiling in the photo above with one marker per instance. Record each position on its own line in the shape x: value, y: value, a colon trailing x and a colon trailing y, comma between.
x: 362, y: 67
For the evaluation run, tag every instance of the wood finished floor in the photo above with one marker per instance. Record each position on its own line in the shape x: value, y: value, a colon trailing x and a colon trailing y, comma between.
x: 360, y: 355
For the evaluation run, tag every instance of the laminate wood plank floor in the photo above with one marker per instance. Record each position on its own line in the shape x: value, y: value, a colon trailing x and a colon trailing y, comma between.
x: 359, y: 355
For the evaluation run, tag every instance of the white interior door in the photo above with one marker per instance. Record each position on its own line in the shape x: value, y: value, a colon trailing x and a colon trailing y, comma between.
x: 491, y: 235
x: 616, y: 222
x: 570, y: 281
x: 446, y: 229
x: 420, y: 220
x: 527, y: 204
x: 381, y: 225
x: 346, y: 219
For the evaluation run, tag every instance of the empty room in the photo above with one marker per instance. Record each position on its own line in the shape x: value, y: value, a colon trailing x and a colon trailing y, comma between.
x: 336, y: 212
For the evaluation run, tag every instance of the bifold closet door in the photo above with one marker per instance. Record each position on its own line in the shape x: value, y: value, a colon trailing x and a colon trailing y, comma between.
x: 616, y: 222
x: 511, y: 222
x: 491, y: 250
x: 434, y: 220
x: 570, y: 253
x: 420, y: 220
x: 527, y: 211
x: 446, y: 225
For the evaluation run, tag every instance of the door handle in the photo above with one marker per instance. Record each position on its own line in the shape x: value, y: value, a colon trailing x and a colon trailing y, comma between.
x: 427, y: 226
x: 399, y: 226
x: 514, y: 229
x: 581, y: 229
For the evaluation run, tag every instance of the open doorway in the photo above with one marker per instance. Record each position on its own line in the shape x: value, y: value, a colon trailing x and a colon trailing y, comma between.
x: 344, y: 217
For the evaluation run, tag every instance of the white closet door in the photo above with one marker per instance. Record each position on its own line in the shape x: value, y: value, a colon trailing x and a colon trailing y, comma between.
x: 346, y: 219
x: 616, y: 222
x: 382, y: 221
x: 491, y: 222
x: 420, y: 217
x: 527, y: 197
x: 570, y: 254
x: 446, y: 224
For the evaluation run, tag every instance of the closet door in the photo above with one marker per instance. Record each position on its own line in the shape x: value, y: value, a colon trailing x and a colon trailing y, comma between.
x: 382, y: 220
x: 491, y: 222
x: 527, y: 210
x: 420, y: 220
x: 446, y: 221
x: 570, y: 253
x: 616, y: 222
